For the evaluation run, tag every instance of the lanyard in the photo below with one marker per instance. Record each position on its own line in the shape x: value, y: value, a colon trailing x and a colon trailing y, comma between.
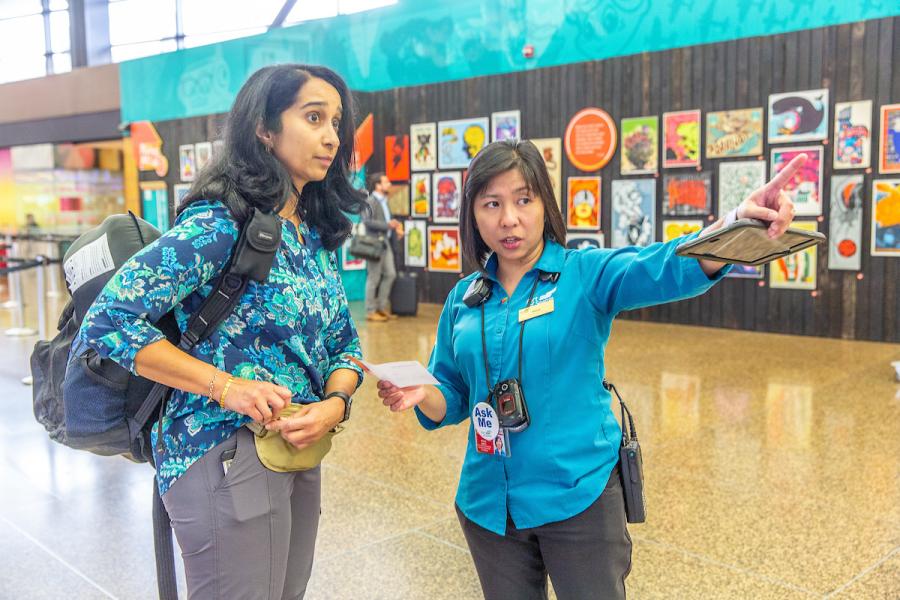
x: 487, y: 370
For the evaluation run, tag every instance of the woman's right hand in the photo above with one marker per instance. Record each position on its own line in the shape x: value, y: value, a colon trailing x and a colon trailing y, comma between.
x: 400, y: 398
x: 260, y: 400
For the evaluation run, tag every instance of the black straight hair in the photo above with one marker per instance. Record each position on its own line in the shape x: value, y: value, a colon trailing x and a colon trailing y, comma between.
x: 246, y: 175
x: 496, y: 159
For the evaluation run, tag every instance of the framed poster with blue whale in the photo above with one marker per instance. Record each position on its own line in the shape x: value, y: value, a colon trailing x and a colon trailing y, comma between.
x: 798, y: 116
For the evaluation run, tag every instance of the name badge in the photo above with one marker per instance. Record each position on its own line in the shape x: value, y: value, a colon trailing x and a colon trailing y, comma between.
x: 535, y: 311
x: 490, y: 438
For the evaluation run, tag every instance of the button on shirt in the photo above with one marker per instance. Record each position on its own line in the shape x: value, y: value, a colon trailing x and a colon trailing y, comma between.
x: 560, y: 464
x: 294, y: 329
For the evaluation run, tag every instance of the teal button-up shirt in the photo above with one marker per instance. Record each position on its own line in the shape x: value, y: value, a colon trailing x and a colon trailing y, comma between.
x: 561, y: 463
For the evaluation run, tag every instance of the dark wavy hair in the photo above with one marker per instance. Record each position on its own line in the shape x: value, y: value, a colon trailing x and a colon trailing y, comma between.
x: 246, y: 175
x: 495, y: 159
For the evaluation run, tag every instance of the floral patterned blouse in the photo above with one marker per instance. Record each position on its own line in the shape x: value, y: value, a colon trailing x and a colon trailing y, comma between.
x: 294, y: 329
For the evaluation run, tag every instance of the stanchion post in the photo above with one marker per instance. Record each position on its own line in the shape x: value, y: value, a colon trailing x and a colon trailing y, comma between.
x: 15, y: 296
x: 19, y: 329
x: 53, y: 270
x: 41, y: 300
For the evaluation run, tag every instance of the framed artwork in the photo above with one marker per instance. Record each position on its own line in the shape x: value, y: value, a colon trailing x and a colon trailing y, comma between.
x: 446, y: 197
x: 187, y: 162
x: 732, y: 133
x: 179, y: 191
x: 583, y: 203
x: 423, y: 140
x: 590, y: 139
x: 459, y: 141
x: 845, y: 222
x: 889, y: 146
x: 633, y: 212
x: 681, y: 139
x: 737, y: 180
x: 350, y: 262
x: 798, y: 116
x: 853, y: 135
x: 420, y: 195
x: 398, y: 200
x: 580, y: 241
x: 396, y: 157
x: 797, y: 271
x: 444, y: 249
x: 506, y: 125
x: 672, y: 229
x: 640, y: 146
x: 414, y: 243
x: 551, y: 150
x: 745, y: 272
x: 886, y: 217
x: 806, y: 187
x: 203, y: 152
x: 687, y: 194
x: 155, y: 203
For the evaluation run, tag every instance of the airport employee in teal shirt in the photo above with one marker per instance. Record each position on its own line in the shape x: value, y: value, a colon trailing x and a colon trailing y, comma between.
x: 546, y: 500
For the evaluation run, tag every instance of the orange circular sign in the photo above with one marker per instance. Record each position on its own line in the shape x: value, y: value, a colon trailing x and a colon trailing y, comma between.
x: 590, y: 139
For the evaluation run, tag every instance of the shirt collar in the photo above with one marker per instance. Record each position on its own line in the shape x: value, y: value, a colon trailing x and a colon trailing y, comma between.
x: 551, y: 260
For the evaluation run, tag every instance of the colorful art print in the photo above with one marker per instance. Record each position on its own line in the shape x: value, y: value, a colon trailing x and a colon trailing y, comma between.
x: 745, y: 272
x: 681, y: 139
x: 444, y: 250
x: 506, y: 125
x: 687, y: 194
x: 675, y: 229
x: 737, y: 180
x: 446, y: 197
x: 886, y: 217
x: 590, y: 139
x: 459, y: 141
x: 853, y: 135
x: 187, y: 162
x: 845, y: 222
x: 732, y: 133
x: 414, y: 243
x: 423, y: 137
x: 398, y: 200
x: 805, y: 189
x: 640, y: 146
x: 551, y: 150
x: 798, y: 116
x: 580, y: 241
x: 203, y: 152
x: 350, y: 262
x: 889, y: 147
x: 583, y: 204
x: 396, y: 157
x: 420, y: 195
x: 179, y: 191
x: 633, y: 212
x: 797, y: 271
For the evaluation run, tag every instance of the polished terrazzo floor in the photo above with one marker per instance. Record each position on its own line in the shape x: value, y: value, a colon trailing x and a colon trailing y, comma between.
x: 772, y: 467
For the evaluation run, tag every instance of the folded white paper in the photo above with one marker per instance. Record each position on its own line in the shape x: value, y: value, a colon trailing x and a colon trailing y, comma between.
x: 402, y: 374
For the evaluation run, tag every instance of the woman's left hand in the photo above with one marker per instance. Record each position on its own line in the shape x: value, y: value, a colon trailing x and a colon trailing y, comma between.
x: 771, y: 203
x: 310, y: 423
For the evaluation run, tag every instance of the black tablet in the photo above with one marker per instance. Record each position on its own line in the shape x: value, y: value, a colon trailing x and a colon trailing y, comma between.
x: 746, y: 242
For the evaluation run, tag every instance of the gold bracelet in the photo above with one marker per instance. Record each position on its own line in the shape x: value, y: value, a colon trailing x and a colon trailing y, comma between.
x: 225, y: 391
x: 212, y: 384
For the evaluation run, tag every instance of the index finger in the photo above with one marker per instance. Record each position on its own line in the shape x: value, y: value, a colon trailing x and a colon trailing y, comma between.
x: 787, y: 173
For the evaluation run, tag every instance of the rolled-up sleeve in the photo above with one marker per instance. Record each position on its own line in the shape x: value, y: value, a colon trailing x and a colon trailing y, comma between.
x: 120, y: 323
x: 634, y: 277
x: 445, y: 369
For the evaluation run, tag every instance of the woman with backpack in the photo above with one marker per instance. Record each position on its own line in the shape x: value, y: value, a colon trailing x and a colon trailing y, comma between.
x: 245, y: 530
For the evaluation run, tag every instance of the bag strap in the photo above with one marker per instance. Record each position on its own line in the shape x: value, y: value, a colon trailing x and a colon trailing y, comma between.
x: 252, y: 260
x: 628, y: 431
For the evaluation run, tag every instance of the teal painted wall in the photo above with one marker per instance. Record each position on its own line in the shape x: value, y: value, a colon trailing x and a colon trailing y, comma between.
x: 417, y: 42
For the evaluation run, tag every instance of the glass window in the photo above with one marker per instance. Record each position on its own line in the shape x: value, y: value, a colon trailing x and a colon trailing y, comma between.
x: 19, y: 8
x: 22, y: 48
x: 59, y: 4
x: 130, y: 51
x: 306, y: 11
x: 209, y: 16
x: 59, y: 31
x: 353, y: 6
x: 193, y: 41
x: 62, y: 62
x: 133, y: 21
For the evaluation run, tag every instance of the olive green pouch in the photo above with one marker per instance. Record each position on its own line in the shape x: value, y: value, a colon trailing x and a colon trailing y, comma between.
x: 276, y: 454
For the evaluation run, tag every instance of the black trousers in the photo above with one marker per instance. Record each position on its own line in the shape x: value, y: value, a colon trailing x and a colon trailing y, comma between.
x: 586, y: 556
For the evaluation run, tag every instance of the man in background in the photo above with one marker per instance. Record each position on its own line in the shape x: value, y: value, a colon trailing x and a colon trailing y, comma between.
x: 380, y: 274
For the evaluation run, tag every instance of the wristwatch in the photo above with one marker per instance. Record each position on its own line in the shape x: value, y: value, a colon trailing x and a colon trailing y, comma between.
x: 348, y: 402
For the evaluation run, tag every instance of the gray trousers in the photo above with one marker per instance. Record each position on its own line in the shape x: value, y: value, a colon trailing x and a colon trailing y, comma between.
x: 586, y: 556
x: 247, y: 534
x: 380, y: 276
